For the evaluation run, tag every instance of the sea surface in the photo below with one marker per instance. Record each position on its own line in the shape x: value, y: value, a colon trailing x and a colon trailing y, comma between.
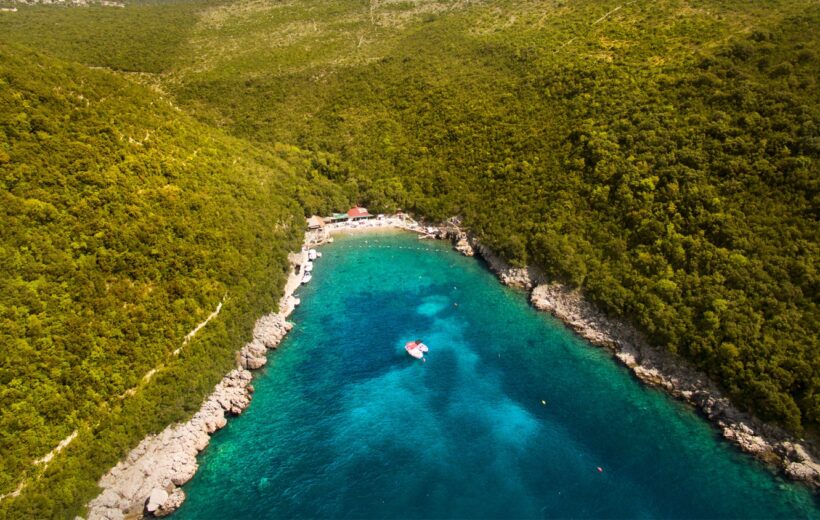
x: 510, y: 416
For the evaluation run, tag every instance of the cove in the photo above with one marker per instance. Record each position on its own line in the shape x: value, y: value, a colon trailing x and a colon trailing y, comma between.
x: 344, y: 424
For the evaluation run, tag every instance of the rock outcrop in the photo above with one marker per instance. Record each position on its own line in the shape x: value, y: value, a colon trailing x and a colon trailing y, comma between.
x: 267, y: 334
x: 467, y: 244
x: 521, y: 277
x: 463, y: 246
x: 157, y: 497
x: 171, y: 504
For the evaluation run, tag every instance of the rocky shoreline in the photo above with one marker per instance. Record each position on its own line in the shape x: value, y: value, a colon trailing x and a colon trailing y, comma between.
x: 147, y: 482
x: 653, y: 366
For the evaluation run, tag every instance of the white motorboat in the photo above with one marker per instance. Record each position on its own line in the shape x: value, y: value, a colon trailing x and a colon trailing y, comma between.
x: 308, y: 267
x: 312, y: 254
x: 306, y: 278
x: 416, y: 348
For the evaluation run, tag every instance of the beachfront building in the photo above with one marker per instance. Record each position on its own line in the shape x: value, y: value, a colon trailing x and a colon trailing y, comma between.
x: 336, y: 218
x: 315, y: 222
x: 358, y: 213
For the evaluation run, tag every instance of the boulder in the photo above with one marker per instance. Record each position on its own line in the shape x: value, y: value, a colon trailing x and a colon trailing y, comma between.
x: 184, y: 470
x: 269, y: 330
x: 253, y: 355
x: 156, y: 499
x: 463, y: 246
x: 806, y: 471
x: 172, y: 504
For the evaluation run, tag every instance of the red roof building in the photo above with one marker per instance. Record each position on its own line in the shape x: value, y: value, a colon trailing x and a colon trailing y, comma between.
x: 358, y: 212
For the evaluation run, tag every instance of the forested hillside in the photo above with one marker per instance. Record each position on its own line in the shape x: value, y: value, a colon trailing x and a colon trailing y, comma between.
x: 661, y: 155
x: 125, y: 223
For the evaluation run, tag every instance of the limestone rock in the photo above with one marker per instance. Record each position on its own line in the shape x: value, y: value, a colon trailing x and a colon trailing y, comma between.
x: 749, y: 442
x: 172, y: 504
x: 806, y: 472
x: 157, y: 497
x: 253, y: 355
x: 183, y: 470
x: 522, y: 277
x: 270, y: 329
x: 162, y: 462
x: 463, y: 246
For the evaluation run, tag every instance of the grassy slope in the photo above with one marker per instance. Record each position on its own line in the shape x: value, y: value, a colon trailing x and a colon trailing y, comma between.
x: 664, y: 158
x: 125, y: 224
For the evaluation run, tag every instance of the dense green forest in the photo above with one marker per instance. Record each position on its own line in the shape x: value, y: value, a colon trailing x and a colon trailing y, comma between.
x: 125, y: 223
x: 660, y: 155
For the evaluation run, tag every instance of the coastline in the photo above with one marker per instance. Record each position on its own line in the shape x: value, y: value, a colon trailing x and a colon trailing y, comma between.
x: 149, y: 479
x: 652, y: 366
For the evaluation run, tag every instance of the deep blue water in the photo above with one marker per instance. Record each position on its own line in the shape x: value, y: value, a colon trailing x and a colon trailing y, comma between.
x: 344, y: 424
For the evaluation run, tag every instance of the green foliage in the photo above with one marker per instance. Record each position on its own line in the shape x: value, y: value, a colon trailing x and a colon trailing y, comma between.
x: 654, y: 159
x: 145, y: 40
x: 125, y: 224
x: 664, y: 158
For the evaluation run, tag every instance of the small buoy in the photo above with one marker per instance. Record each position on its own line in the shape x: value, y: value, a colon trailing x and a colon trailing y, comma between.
x: 600, y: 469
x: 543, y: 402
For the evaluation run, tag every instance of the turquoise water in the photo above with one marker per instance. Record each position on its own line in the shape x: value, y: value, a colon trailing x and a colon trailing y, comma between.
x: 344, y: 424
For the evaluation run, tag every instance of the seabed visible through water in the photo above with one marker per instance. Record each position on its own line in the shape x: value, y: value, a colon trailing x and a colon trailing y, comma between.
x: 510, y: 417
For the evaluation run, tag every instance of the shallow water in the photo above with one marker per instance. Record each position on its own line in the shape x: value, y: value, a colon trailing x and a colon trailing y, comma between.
x: 345, y: 424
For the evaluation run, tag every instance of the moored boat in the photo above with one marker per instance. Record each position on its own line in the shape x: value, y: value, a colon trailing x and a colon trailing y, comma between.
x: 416, y: 348
x: 307, y: 278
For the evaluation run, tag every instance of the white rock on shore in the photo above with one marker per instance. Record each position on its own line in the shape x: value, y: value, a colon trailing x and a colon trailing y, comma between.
x: 463, y: 246
x: 157, y: 497
x: 522, y: 277
x: 267, y: 334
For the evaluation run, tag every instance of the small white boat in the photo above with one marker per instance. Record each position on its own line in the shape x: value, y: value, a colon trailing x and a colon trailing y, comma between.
x: 416, y: 348
x: 318, y: 254
x: 308, y: 267
x: 306, y: 278
x: 312, y: 254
